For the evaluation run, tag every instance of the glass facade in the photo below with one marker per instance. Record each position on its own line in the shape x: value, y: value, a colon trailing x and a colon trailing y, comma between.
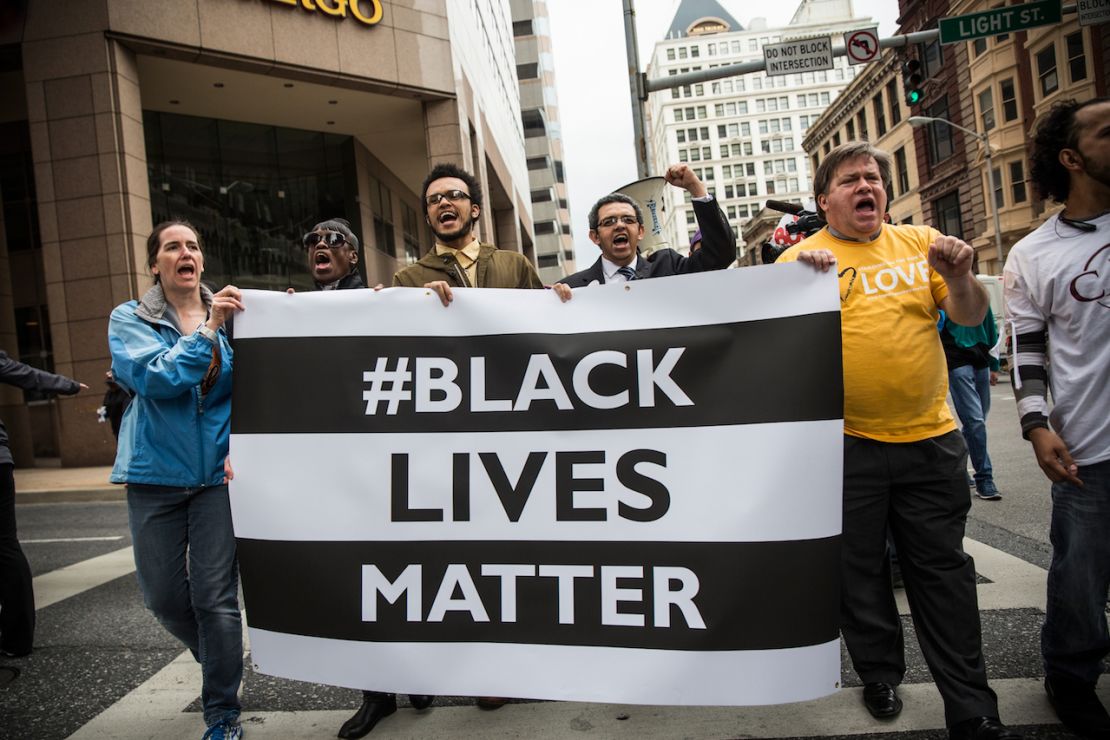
x: 251, y: 190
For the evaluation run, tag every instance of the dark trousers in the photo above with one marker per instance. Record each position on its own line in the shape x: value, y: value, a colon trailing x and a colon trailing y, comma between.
x: 17, y: 597
x: 919, y: 491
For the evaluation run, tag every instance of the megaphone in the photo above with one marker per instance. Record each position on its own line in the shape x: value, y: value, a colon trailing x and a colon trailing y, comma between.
x: 648, y: 194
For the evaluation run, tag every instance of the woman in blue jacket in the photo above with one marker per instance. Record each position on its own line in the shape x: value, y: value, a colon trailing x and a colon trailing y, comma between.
x: 170, y: 350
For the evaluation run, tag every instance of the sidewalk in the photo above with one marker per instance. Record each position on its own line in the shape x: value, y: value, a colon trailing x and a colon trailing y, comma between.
x: 57, y: 485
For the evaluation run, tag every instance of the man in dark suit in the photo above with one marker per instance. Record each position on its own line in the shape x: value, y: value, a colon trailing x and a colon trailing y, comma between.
x: 617, y: 226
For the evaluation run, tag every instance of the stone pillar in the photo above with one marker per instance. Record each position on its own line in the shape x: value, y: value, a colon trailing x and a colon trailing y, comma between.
x: 85, y: 116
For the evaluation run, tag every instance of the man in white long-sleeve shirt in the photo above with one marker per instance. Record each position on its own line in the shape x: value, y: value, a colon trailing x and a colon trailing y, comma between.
x: 1057, y: 285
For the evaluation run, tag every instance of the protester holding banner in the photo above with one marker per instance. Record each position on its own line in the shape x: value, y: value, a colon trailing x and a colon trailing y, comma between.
x: 170, y: 350
x: 617, y: 226
x: 1057, y: 290
x: 904, y: 460
x: 452, y: 202
x: 332, y: 250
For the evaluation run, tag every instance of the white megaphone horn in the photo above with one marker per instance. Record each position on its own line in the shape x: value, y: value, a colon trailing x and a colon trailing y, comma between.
x: 648, y: 194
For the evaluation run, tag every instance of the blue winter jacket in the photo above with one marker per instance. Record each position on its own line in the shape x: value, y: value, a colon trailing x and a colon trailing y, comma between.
x: 171, y: 435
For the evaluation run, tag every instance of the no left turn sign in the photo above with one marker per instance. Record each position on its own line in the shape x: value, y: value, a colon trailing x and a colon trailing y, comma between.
x: 862, y: 46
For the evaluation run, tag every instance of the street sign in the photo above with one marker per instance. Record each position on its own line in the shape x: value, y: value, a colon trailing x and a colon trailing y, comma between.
x: 805, y: 55
x: 1093, y: 12
x: 999, y: 21
x: 862, y: 46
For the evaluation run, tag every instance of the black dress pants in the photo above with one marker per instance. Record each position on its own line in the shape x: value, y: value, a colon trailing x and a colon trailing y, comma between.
x: 919, y: 491
x: 17, y: 597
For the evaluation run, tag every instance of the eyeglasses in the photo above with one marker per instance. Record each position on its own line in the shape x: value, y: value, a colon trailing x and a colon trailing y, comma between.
x: 606, y: 223
x: 452, y: 195
x: 331, y: 239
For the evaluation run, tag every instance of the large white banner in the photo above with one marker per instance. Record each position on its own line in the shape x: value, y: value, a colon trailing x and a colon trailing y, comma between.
x: 631, y: 497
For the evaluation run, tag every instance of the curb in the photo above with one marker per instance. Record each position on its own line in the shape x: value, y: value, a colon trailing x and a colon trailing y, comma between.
x: 75, y: 495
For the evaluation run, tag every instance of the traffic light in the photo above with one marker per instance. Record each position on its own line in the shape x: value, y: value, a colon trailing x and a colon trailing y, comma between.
x: 912, y: 81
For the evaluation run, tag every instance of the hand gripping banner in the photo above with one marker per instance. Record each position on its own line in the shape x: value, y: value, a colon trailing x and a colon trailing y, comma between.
x: 632, y: 497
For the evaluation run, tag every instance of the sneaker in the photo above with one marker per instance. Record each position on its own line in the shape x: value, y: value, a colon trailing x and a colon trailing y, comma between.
x: 229, y: 729
x: 987, y: 491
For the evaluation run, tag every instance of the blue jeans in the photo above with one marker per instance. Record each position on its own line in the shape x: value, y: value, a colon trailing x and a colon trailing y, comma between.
x: 971, y: 395
x: 1074, y: 639
x: 189, y: 575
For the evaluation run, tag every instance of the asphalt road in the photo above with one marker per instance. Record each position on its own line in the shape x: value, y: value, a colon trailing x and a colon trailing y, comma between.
x: 103, y: 667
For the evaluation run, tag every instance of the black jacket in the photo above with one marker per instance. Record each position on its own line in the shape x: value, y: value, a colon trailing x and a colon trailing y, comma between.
x: 718, y: 250
x: 29, y: 378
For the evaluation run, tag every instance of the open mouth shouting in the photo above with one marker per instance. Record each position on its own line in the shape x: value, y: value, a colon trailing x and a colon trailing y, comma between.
x: 187, y: 270
x: 322, y: 261
x: 866, y: 206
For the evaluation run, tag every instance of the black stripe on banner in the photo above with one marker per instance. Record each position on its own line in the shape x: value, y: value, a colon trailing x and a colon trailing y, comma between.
x: 749, y: 596
x: 775, y: 370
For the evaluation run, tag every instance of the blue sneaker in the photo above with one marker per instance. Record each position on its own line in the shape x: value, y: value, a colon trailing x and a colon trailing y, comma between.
x: 228, y: 729
x: 987, y: 491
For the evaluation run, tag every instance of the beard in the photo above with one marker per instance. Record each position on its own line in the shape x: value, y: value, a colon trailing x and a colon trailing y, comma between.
x: 463, y: 227
x: 1097, y: 171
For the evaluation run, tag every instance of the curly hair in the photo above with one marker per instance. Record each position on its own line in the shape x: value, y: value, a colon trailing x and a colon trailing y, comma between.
x: 446, y: 169
x: 1057, y: 130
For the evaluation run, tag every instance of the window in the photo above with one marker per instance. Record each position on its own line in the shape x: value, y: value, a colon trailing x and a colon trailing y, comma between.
x: 986, y: 109
x: 836, y: 139
x: 381, y: 202
x: 880, y: 114
x: 749, y: 168
x: 978, y: 47
x: 892, y: 99
x: 542, y: 196
x: 680, y: 136
x: 996, y: 187
x: 1046, y: 70
x: 548, y: 260
x: 678, y: 114
x: 1009, y: 100
x: 546, y: 227
x: 1077, y: 61
x: 410, y: 233
x: 946, y: 215
x: 527, y: 71
x: 694, y: 51
x: 522, y: 28
x: 747, y: 148
x: 670, y: 55
x: 940, y: 135
x: 850, y: 130
x: 745, y: 129
x: 861, y: 121
x: 1017, y: 181
x: 931, y: 59
x: 537, y: 163
x: 682, y: 52
x: 902, y: 171
x: 770, y: 187
x: 824, y: 97
x: 763, y: 127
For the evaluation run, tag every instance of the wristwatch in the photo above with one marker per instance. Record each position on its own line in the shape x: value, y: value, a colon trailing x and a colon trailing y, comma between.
x: 207, y: 333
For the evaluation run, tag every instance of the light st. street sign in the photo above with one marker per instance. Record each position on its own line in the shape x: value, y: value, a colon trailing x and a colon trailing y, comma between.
x: 804, y: 55
x: 1001, y: 20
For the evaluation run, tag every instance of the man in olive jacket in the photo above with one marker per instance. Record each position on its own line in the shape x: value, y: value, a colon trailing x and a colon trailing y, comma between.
x: 452, y: 201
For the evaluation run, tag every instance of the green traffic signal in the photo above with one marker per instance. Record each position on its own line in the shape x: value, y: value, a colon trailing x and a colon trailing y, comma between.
x: 912, y: 81
x: 913, y: 97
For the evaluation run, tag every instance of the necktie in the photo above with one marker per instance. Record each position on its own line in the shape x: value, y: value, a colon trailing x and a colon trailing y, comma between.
x: 628, y: 273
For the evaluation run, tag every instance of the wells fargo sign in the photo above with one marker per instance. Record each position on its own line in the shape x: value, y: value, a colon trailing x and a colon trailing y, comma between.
x: 368, y: 12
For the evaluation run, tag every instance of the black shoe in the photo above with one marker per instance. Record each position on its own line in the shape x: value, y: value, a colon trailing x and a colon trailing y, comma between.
x: 881, y: 700
x: 982, y: 728
x: 421, y: 701
x: 489, y: 703
x: 374, y: 708
x: 1078, y: 707
x: 15, y: 652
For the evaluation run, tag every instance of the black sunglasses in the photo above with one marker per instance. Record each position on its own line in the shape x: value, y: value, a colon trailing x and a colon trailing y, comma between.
x: 331, y: 239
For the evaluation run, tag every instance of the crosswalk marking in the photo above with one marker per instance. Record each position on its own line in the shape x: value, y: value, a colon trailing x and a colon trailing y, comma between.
x: 156, y: 708
x: 53, y: 540
x: 58, y: 585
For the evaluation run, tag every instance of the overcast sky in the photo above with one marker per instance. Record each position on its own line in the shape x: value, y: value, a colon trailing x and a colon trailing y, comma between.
x: 592, y: 78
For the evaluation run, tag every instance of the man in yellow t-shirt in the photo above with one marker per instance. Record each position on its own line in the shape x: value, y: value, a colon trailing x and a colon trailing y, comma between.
x: 904, y: 461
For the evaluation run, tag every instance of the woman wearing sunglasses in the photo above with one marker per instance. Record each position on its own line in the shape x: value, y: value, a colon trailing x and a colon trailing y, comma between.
x: 170, y: 350
x: 332, y: 250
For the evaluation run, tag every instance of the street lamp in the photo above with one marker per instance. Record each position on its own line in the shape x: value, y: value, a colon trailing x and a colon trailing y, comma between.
x: 982, y: 139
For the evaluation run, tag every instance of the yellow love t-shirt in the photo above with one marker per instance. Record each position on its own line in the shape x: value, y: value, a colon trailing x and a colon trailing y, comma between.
x: 895, y: 377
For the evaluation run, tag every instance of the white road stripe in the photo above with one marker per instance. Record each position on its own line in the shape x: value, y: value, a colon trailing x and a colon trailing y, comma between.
x: 156, y: 708
x: 57, y: 585
x: 71, y: 539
